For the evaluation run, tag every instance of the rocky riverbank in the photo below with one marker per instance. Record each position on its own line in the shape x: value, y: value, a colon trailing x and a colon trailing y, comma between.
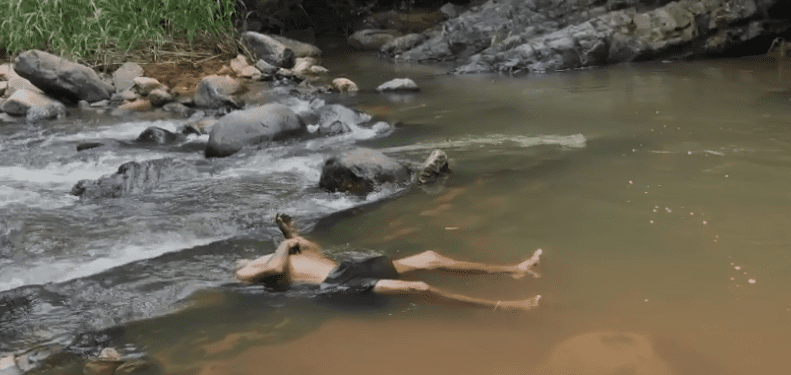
x: 514, y: 36
x: 38, y: 84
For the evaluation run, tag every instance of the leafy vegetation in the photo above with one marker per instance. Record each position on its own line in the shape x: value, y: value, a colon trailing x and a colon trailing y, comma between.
x: 94, y: 31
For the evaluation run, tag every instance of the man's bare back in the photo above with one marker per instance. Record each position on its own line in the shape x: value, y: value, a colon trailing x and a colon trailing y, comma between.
x: 297, y: 260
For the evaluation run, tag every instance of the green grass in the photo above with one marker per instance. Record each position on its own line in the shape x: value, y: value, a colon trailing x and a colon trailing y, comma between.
x: 92, y: 30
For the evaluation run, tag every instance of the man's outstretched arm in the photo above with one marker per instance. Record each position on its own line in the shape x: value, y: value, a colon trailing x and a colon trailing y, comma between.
x: 276, y: 264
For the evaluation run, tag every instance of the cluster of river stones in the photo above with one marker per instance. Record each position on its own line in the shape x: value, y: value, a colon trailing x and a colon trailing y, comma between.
x: 38, y: 83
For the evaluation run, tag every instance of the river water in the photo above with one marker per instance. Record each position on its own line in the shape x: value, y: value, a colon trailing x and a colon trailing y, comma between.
x: 658, y: 192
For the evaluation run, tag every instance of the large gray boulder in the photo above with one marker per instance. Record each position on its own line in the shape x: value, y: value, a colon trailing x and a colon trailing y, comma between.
x: 269, y: 49
x: 216, y: 92
x: 135, y: 177
x: 359, y: 171
x: 61, y: 78
x: 253, y: 126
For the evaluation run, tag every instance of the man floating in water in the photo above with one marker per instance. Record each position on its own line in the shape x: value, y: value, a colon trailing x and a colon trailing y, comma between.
x: 297, y: 260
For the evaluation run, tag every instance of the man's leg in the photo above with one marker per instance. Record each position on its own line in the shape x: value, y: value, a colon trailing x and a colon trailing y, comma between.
x: 419, y: 288
x: 430, y: 260
x: 286, y: 226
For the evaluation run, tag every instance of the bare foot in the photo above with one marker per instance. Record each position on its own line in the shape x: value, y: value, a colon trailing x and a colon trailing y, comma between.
x: 525, y: 305
x: 526, y: 267
x: 286, y: 225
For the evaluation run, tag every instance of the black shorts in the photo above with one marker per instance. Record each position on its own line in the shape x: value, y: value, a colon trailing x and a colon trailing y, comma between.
x: 359, y: 275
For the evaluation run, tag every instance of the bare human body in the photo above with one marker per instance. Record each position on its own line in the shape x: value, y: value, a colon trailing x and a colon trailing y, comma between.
x: 297, y: 260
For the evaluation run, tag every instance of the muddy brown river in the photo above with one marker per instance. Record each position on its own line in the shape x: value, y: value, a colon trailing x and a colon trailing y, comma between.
x: 658, y: 192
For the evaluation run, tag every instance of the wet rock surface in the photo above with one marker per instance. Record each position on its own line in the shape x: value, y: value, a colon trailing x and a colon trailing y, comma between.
x: 269, y: 49
x: 252, y: 126
x: 550, y: 35
x: 59, y: 77
x: 134, y: 177
x: 32, y: 105
x: 156, y: 135
x: 335, y: 119
x: 435, y: 166
x: 372, y: 39
x: 359, y: 171
x: 344, y: 85
x: 300, y: 49
x: 123, y: 77
x: 216, y: 92
x: 398, y: 85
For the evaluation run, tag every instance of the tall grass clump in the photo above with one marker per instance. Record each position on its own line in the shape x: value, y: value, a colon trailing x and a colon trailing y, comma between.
x: 92, y: 30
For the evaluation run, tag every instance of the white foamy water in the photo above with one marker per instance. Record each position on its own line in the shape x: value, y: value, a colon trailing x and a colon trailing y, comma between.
x: 60, y: 270
x: 10, y: 195
x: 570, y: 141
x: 307, y: 167
x: 123, y: 131
x: 52, y: 183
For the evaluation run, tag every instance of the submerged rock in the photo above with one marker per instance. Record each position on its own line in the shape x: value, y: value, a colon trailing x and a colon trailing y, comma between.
x: 134, y: 177
x: 88, y: 145
x: 138, y: 367
x: 435, y: 166
x: 157, y: 135
x: 398, y: 84
x: 106, y: 364
x: 59, y: 77
x: 344, y: 85
x: 359, y: 171
x: 336, y: 119
x: 251, y: 127
x: 604, y: 353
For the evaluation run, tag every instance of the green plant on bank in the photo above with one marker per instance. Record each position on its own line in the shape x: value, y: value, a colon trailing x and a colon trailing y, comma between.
x: 95, y: 31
